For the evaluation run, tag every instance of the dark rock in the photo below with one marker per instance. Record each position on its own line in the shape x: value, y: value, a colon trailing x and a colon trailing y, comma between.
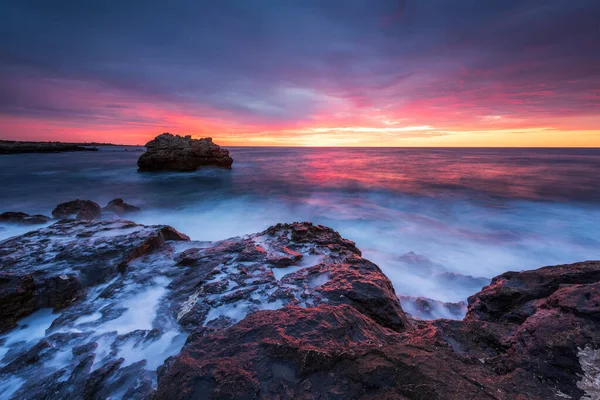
x: 33, y: 272
x: 293, y: 351
x: 290, y: 312
x: 515, y: 296
x: 79, y: 209
x: 120, y: 208
x: 17, y: 147
x: 528, y: 335
x: 178, y: 153
x: 31, y: 356
x: 287, y: 264
x: 22, y: 218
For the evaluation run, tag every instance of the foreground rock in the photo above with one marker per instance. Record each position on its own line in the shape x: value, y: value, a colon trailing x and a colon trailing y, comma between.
x: 127, y: 296
x: 293, y: 312
x: 78, y: 209
x: 16, y: 147
x: 22, y: 218
x: 178, y: 153
x: 120, y: 208
x: 53, y: 267
x: 530, y: 335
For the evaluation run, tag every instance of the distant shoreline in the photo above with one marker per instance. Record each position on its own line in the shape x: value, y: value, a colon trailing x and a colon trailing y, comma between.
x: 24, y: 147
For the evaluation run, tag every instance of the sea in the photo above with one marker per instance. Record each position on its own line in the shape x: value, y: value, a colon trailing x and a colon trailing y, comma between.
x: 440, y: 222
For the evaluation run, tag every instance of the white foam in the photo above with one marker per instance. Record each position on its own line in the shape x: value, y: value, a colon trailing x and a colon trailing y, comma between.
x: 319, y: 280
x: 30, y: 330
x: 238, y: 311
x: 279, y: 273
x: 84, y: 319
x: 9, y: 386
x: 115, y: 231
x: 154, y: 352
x: 307, y: 261
x: 141, y: 309
x: 235, y: 311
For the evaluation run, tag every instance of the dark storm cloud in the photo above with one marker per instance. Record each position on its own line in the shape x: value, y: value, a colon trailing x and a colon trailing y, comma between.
x: 282, y: 60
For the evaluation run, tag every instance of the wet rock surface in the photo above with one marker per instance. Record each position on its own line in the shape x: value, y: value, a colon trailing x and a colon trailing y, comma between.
x: 54, y: 266
x: 127, y: 296
x: 182, y: 153
x: 22, y: 218
x: 291, y: 312
x: 79, y: 209
x: 550, y: 351
x: 120, y: 208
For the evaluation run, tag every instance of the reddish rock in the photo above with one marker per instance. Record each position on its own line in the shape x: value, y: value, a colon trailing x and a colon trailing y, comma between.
x: 293, y: 312
x: 182, y: 153
x: 528, y: 335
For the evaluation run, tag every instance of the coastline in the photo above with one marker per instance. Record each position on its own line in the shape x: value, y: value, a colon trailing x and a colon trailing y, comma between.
x: 297, y: 296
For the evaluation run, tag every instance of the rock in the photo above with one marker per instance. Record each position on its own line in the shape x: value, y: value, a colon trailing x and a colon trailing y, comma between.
x: 17, y: 147
x: 291, y: 353
x: 53, y: 266
x: 120, y: 208
x: 549, y: 349
x: 179, y: 288
x: 22, y: 218
x: 290, y: 312
x: 80, y: 209
x: 178, y: 153
x: 287, y: 264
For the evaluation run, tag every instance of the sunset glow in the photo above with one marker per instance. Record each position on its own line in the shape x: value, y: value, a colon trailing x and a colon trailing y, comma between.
x: 491, y: 74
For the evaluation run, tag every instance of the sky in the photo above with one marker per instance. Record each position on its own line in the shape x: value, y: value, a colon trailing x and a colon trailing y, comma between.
x: 303, y: 72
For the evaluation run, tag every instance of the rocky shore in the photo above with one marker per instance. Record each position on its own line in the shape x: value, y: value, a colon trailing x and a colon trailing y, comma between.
x: 293, y: 312
x: 17, y: 147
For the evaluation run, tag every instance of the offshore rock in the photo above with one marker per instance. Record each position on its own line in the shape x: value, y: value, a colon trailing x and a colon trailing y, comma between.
x: 120, y: 208
x: 79, y: 209
x: 22, y: 218
x: 182, y: 153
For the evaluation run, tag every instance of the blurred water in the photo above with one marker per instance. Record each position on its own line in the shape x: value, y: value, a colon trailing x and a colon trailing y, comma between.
x: 475, y: 212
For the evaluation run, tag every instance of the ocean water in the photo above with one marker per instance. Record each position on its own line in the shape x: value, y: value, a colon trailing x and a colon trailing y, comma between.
x: 439, y: 222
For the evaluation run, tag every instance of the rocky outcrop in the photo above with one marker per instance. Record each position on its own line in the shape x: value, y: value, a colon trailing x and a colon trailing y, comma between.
x: 78, y: 209
x: 294, y: 311
x: 22, y: 218
x: 53, y: 266
x: 128, y: 292
x: 529, y: 335
x: 120, y: 208
x: 182, y: 153
x: 16, y: 147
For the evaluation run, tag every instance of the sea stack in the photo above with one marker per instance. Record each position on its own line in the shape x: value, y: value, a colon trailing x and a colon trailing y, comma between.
x: 169, y: 152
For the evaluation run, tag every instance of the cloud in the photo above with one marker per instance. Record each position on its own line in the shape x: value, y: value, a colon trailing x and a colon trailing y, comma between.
x: 279, y: 65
